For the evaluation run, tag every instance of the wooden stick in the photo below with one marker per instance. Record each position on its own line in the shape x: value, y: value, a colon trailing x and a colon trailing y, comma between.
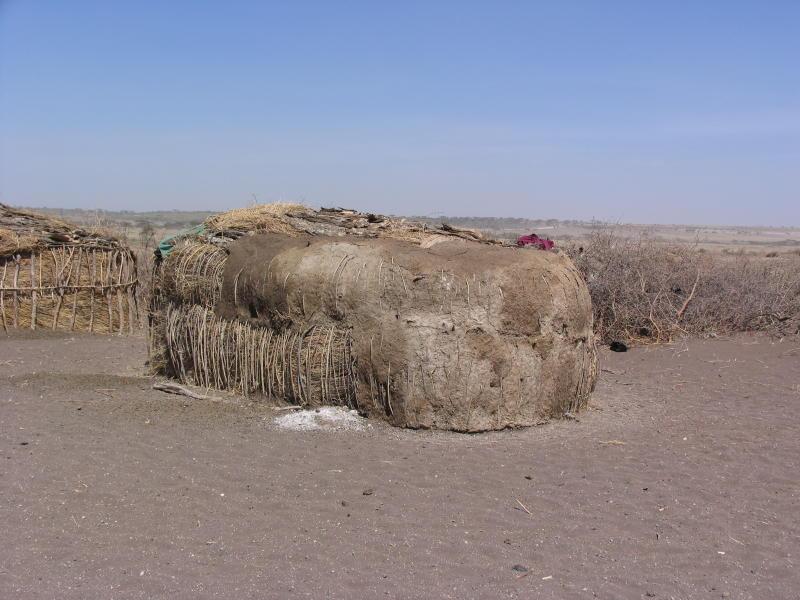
x: 75, y: 292
x: 308, y: 370
x: 91, y: 300
x: 525, y: 508
x: 104, y: 288
x: 58, y: 308
x: 174, y: 388
x: 119, y: 295
x: 109, y: 299
x: 33, y: 291
x: 689, y: 298
x: 60, y: 282
x: 129, y: 293
x: 16, y: 291
x: 3, y: 296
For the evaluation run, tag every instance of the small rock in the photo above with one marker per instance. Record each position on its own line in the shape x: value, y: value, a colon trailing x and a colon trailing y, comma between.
x: 344, y: 502
x: 368, y: 492
x: 528, y: 477
x: 519, y: 568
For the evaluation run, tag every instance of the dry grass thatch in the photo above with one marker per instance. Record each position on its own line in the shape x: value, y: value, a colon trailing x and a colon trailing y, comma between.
x: 24, y: 231
x: 56, y: 276
x: 13, y: 242
x: 296, y: 219
x: 260, y: 217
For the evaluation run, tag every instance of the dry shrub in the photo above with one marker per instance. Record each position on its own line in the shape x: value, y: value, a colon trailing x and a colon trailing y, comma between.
x: 643, y: 289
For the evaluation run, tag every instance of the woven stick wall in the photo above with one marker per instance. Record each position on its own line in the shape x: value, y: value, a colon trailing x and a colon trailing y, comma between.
x: 192, y: 274
x: 69, y: 287
x: 309, y: 368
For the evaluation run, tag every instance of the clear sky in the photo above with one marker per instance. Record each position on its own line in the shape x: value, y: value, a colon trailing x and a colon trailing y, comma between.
x: 669, y: 112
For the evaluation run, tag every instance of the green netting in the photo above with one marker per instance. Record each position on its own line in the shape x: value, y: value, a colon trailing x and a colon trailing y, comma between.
x: 166, y: 245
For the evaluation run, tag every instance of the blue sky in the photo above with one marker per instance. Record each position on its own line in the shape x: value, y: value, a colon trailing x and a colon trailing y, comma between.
x: 680, y: 112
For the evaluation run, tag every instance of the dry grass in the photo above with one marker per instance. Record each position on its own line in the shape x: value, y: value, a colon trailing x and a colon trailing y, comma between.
x: 24, y: 231
x: 259, y: 217
x: 645, y: 290
x: 12, y: 242
x: 295, y: 219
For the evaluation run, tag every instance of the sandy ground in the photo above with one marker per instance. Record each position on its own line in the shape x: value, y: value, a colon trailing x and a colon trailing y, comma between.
x: 680, y: 482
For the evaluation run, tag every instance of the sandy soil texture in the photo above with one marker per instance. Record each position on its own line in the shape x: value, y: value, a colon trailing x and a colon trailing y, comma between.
x: 680, y: 481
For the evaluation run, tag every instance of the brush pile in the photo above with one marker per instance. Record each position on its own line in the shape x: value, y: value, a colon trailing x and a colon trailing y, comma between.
x: 424, y: 327
x: 644, y: 290
x: 54, y: 275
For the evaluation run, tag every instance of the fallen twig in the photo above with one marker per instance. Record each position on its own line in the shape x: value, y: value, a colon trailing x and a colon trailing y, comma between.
x: 525, y: 508
x: 737, y: 541
x: 174, y: 388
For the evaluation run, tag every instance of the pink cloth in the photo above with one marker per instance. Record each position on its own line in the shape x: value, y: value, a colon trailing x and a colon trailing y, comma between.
x: 535, y: 241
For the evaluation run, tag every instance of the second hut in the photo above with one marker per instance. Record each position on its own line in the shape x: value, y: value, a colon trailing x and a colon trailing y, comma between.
x: 58, y: 276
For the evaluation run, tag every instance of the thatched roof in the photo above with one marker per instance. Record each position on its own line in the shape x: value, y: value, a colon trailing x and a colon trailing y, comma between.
x: 296, y: 219
x: 22, y: 232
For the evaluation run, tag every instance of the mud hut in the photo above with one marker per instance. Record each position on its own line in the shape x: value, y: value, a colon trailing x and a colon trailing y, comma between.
x: 424, y: 327
x: 55, y: 275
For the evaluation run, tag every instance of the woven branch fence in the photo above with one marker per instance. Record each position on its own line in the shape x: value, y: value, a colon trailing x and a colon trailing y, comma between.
x: 192, y: 274
x: 69, y: 287
x: 310, y: 368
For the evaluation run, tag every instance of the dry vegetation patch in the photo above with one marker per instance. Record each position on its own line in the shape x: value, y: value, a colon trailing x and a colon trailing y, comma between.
x: 643, y: 289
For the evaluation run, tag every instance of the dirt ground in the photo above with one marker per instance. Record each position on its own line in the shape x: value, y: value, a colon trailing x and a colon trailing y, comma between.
x: 681, y: 481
